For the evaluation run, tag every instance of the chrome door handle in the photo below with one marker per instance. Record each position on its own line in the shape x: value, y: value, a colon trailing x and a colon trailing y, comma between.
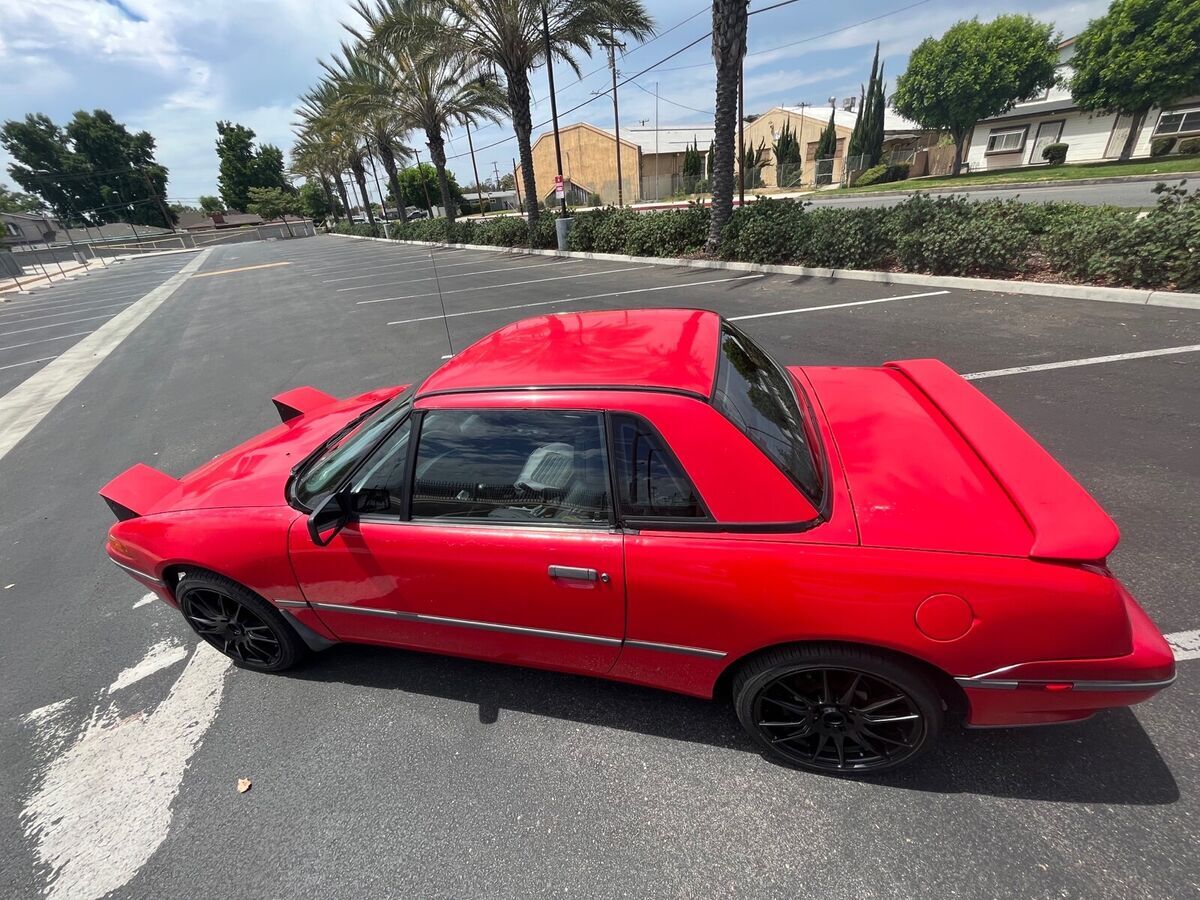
x: 573, y: 573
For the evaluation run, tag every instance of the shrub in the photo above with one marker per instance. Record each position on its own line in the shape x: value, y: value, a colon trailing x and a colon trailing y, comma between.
x: 1189, y: 145
x: 846, y: 239
x: 768, y: 231
x: 675, y: 232
x: 543, y: 236
x: 882, y: 174
x: 1055, y: 154
x: 1161, y: 146
x: 508, y: 231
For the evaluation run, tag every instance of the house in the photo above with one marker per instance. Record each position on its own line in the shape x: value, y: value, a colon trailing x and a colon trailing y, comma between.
x: 21, y: 229
x: 1018, y: 137
x: 651, y: 162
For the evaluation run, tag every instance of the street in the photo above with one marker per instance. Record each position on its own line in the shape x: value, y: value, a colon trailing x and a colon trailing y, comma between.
x: 379, y: 772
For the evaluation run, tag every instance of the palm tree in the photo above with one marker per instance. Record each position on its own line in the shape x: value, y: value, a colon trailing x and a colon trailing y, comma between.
x: 507, y: 36
x: 342, y: 131
x: 312, y: 158
x: 316, y: 145
x: 728, y: 48
x: 366, y: 89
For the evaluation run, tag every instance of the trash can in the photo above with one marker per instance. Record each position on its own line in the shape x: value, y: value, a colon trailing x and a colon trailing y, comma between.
x: 561, y: 228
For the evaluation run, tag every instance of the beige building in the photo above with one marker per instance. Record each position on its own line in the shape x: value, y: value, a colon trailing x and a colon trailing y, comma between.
x: 651, y: 162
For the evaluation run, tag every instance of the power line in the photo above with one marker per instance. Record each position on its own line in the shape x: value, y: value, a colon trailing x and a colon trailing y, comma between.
x: 703, y: 112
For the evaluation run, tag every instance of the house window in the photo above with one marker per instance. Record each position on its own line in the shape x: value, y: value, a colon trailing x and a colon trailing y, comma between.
x: 1007, y: 140
x: 13, y: 230
x: 1178, y: 121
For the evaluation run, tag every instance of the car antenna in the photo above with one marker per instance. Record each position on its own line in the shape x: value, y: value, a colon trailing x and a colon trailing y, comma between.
x: 438, y: 285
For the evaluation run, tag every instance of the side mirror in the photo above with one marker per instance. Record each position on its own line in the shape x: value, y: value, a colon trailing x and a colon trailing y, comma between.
x: 327, y: 519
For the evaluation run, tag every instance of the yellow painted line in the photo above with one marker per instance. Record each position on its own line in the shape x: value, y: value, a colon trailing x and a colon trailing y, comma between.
x: 241, y: 269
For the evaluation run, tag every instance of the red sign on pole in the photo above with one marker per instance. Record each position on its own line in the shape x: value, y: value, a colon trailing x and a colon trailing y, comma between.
x: 559, y: 191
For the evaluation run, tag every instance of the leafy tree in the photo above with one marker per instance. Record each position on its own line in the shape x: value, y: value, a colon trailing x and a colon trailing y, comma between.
x: 1141, y: 53
x: 728, y: 49
x: 244, y: 166
x: 974, y: 71
x: 314, y: 202
x: 419, y: 187
x: 827, y: 143
x: 16, y: 202
x: 788, y: 158
x: 93, y: 169
x: 210, y: 204
x: 274, y: 203
x: 507, y: 182
x: 857, y: 145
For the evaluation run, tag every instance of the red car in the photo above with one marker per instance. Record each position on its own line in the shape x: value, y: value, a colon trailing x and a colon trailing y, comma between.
x: 850, y: 554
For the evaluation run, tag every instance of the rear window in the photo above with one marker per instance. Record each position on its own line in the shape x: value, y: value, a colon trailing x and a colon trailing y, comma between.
x: 758, y: 396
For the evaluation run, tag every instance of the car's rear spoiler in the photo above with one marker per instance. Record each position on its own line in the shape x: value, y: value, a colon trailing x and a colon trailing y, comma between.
x: 299, y: 401
x: 137, y: 490
x: 1067, y: 523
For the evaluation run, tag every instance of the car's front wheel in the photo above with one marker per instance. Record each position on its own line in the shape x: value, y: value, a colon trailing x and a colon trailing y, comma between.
x: 238, y: 622
x: 837, y: 710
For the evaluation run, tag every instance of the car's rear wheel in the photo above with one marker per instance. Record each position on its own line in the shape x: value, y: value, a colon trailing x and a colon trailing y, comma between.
x: 837, y: 710
x: 238, y: 623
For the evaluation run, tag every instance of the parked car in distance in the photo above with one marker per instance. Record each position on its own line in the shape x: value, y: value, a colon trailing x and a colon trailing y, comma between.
x: 851, y: 556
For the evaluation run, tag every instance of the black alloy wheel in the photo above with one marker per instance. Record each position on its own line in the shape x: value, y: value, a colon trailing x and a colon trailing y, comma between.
x: 845, y: 712
x: 238, y: 623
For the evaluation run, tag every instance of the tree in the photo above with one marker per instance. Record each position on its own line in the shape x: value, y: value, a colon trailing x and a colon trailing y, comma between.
x: 728, y: 50
x: 1141, y: 53
x: 16, y: 202
x: 788, y: 158
x: 419, y: 187
x: 273, y: 203
x: 93, y: 169
x: 507, y: 37
x: 857, y: 145
x: 751, y: 164
x: 244, y: 166
x: 693, y: 162
x: 827, y: 142
x: 314, y: 202
x: 507, y: 182
x: 974, y: 71
x: 873, y: 133
x: 210, y: 205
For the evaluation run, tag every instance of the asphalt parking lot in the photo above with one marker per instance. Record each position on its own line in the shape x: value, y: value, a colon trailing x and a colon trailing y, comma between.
x: 384, y: 773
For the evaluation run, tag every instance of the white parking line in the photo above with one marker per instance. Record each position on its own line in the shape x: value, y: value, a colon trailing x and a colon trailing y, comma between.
x: 28, y: 362
x: 412, y: 260
x: 70, y: 312
x: 807, y: 309
x: 665, y: 287
x: 61, y: 337
x: 491, y: 287
x: 440, y: 277
x: 82, y: 298
x: 1090, y: 361
x: 1185, y: 644
x: 55, y: 324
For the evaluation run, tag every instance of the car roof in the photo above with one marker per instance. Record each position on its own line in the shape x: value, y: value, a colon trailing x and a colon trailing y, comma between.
x: 672, y: 350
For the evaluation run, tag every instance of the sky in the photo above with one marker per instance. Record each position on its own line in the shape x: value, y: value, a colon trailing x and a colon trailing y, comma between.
x: 174, y: 67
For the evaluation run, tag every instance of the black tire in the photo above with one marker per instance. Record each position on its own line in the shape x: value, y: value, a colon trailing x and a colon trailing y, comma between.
x: 238, y: 623
x: 837, y: 710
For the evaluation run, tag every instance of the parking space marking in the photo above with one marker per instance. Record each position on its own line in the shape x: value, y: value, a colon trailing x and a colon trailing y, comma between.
x: 492, y: 287
x: 664, y: 287
x: 55, y: 324
x: 61, y: 337
x: 1090, y: 361
x: 409, y: 261
x: 439, y: 277
x: 270, y: 265
x: 1185, y: 644
x: 807, y: 309
x: 71, y: 312
x: 28, y: 362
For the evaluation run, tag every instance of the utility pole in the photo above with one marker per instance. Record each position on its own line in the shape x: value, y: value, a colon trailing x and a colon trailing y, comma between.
x: 742, y: 132
x: 162, y: 207
x: 613, y: 45
x: 656, y: 140
x: 378, y: 190
x: 553, y: 103
x: 424, y: 186
x: 517, y: 185
x: 475, y: 169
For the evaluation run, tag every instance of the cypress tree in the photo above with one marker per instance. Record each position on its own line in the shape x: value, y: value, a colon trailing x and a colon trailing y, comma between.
x: 827, y: 145
x: 874, y: 140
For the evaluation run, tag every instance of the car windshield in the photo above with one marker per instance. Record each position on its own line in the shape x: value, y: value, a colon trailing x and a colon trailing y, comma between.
x: 757, y: 395
x: 328, y: 465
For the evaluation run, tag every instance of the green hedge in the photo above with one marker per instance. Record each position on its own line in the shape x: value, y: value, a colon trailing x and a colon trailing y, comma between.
x: 949, y: 235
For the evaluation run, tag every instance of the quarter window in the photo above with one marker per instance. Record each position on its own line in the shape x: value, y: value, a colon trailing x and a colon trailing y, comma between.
x: 650, y: 481
x: 1008, y: 140
x: 512, y: 466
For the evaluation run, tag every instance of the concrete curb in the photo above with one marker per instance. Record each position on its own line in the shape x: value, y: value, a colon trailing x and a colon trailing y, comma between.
x: 1137, y: 296
x: 1008, y: 186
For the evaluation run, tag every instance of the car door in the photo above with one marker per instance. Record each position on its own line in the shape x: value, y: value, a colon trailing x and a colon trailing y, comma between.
x: 491, y: 535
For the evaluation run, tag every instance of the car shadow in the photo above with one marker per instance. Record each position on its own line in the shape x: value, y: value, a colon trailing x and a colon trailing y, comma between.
x: 1109, y: 759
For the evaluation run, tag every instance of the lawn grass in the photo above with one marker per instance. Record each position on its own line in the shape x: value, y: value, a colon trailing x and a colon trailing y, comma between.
x: 1165, y: 166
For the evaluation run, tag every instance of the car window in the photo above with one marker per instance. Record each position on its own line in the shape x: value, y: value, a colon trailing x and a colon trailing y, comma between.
x: 650, y: 480
x: 512, y: 466
x: 379, y: 485
x: 754, y: 393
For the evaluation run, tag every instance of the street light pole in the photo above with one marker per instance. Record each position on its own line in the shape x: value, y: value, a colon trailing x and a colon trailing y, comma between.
x: 553, y: 103
x: 475, y: 169
x: 742, y: 133
x: 612, y: 64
